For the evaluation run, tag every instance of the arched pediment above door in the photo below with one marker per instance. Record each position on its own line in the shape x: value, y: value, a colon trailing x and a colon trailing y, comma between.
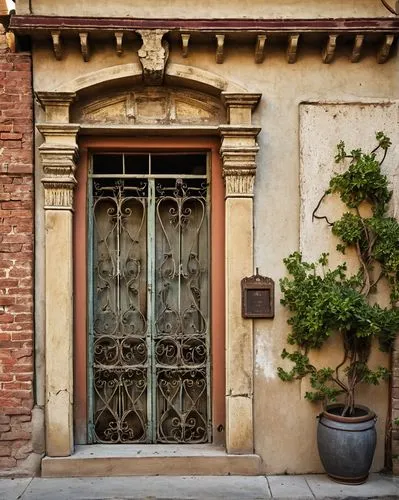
x: 132, y: 74
x: 150, y: 105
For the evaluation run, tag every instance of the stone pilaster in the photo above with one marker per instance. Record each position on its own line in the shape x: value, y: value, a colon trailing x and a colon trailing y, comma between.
x: 59, y: 155
x: 238, y: 151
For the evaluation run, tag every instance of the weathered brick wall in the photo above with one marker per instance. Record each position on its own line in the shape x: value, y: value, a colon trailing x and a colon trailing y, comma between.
x: 16, y: 259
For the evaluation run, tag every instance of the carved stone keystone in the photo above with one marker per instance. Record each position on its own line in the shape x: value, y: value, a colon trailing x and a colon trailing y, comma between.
x: 153, y: 55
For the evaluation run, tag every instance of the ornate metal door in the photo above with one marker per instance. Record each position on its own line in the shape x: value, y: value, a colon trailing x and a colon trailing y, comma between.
x: 149, y: 322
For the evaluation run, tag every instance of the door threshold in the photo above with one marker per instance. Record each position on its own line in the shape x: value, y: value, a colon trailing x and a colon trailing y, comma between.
x: 150, y: 460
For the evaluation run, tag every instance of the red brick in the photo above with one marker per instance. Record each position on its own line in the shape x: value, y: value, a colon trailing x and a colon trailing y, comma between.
x: 6, y: 318
x: 6, y: 300
x: 16, y: 168
x: 5, y: 450
x: 12, y: 410
x: 10, y: 136
x: 7, y: 462
x: 20, y: 418
x: 10, y: 247
x: 23, y: 66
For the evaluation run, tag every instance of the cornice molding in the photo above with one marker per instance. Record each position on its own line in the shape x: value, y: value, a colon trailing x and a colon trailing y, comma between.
x: 378, y: 33
x: 30, y: 24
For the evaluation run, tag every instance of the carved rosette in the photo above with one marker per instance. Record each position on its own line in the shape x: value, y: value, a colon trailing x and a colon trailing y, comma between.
x: 153, y: 55
x: 238, y: 150
x: 59, y: 165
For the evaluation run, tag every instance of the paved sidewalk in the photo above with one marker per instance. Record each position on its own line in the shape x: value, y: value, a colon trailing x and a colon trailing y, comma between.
x: 196, y: 488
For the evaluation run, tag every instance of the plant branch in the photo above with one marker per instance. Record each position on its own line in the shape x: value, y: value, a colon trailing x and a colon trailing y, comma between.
x: 343, y: 361
x: 383, y: 158
x: 366, y: 277
x: 381, y: 275
x: 388, y: 7
x: 320, y: 217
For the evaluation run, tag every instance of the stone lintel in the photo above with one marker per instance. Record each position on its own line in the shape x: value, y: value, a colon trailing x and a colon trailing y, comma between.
x: 56, y: 105
x: 240, y: 106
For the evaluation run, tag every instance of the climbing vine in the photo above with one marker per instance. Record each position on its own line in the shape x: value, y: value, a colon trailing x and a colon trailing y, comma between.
x: 324, y: 301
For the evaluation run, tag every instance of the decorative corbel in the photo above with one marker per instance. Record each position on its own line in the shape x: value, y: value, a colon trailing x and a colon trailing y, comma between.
x: 357, y: 48
x: 153, y: 55
x: 219, y: 49
x: 292, y: 49
x: 84, y: 46
x: 119, y: 42
x: 260, y: 48
x: 385, y: 49
x: 329, y: 50
x: 185, y: 38
x: 57, y: 45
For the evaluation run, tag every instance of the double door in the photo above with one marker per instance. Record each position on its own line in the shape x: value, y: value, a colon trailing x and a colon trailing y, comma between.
x: 149, y: 349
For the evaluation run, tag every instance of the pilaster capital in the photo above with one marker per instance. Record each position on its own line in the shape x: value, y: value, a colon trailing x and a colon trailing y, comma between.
x: 59, y: 156
x: 56, y: 105
x: 238, y: 151
x: 240, y: 106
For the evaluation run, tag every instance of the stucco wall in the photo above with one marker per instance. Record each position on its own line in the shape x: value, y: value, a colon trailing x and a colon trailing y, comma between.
x: 284, y: 421
x: 207, y: 8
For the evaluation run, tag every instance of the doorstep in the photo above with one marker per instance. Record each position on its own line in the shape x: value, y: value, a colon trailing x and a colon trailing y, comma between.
x: 150, y: 460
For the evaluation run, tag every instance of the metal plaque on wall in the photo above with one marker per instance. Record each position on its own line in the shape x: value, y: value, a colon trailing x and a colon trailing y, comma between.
x: 257, y: 294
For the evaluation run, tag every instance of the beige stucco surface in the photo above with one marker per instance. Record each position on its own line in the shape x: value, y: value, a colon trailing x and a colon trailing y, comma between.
x: 207, y: 8
x: 284, y: 423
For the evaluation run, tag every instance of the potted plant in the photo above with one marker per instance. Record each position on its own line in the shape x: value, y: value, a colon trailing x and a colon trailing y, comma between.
x: 325, y: 301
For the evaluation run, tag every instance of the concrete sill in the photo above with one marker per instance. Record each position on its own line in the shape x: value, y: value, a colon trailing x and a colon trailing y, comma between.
x: 150, y: 460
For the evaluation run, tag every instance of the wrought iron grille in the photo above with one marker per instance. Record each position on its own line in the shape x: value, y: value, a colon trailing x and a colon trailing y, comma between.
x: 149, y: 327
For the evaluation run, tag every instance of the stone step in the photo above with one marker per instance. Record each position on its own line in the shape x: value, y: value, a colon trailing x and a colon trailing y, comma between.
x: 150, y: 460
